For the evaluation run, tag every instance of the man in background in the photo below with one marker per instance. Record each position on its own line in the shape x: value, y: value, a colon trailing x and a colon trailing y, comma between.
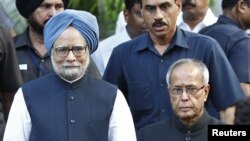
x: 195, y: 15
x: 230, y: 32
x: 135, y: 26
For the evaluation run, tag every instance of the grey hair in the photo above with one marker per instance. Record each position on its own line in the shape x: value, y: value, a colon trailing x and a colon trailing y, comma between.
x: 197, y: 63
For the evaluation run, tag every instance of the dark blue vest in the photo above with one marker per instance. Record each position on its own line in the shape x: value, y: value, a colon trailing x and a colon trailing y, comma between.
x: 61, y: 111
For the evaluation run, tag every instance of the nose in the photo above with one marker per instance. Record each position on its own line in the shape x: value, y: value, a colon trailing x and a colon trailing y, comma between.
x: 184, y: 95
x: 71, y: 56
x: 52, y: 11
x: 158, y: 14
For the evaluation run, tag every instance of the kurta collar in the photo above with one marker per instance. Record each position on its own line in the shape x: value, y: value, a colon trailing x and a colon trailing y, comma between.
x: 74, y: 85
x: 201, y: 123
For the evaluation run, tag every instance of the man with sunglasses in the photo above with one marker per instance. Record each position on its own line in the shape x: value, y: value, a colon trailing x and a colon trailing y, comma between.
x: 70, y: 105
x: 188, y: 88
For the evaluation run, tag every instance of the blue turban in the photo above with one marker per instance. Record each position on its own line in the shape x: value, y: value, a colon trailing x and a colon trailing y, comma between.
x: 83, y: 21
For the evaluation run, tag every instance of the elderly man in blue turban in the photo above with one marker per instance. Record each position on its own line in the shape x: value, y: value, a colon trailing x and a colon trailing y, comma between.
x: 70, y: 105
x: 32, y: 57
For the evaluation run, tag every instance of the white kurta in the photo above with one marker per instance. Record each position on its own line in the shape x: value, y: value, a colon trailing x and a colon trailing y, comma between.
x: 209, y: 19
x: 102, y: 54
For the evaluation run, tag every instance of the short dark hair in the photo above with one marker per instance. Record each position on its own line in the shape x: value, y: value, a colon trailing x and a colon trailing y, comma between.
x: 130, y: 3
x: 228, y: 4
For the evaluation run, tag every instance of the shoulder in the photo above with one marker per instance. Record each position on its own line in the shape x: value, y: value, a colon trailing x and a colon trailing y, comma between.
x: 5, y: 35
x: 156, y: 127
x: 107, y: 44
x: 156, y: 131
x: 226, y: 29
x: 99, y: 82
x: 196, y: 39
x: 22, y: 40
x: 103, y: 86
x: 133, y: 44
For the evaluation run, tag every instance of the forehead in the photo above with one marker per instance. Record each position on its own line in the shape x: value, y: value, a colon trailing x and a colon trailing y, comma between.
x: 52, y: 1
x: 156, y: 2
x: 186, y: 72
x: 136, y: 7
x: 70, y: 36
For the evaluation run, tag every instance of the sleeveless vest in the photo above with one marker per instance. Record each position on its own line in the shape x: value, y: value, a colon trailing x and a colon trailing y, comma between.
x: 61, y: 111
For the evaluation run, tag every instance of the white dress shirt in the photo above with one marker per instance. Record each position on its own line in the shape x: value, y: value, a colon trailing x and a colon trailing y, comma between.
x: 209, y: 19
x: 120, y: 23
x: 18, y: 127
x: 102, y: 54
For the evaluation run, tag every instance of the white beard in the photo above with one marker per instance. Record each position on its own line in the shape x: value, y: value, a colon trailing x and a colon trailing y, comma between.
x: 70, y: 73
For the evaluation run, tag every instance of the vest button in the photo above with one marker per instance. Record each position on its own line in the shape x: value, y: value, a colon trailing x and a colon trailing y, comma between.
x: 188, y: 138
x: 71, y: 97
x: 72, y: 121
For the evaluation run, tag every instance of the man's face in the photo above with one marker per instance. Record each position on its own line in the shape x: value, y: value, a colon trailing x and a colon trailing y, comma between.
x: 188, y: 107
x: 72, y: 66
x: 244, y: 16
x: 195, y: 7
x: 135, y: 22
x: 43, y: 13
x: 160, y: 16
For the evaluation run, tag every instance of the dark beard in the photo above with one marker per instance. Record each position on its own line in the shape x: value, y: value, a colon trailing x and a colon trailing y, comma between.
x: 36, y: 26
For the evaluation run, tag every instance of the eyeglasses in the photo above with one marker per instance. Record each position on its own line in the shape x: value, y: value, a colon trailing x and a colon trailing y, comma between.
x: 63, y: 51
x: 189, y: 90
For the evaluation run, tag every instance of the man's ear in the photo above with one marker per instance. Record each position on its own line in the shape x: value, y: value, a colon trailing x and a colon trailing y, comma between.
x: 241, y: 6
x: 126, y: 15
x: 207, y: 90
x: 179, y: 5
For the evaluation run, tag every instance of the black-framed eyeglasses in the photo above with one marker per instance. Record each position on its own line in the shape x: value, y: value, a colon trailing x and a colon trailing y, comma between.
x: 189, y: 90
x: 63, y: 51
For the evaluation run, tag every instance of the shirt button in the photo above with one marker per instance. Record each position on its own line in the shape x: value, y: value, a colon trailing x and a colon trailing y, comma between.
x: 188, y: 138
x: 71, y: 97
x: 72, y: 121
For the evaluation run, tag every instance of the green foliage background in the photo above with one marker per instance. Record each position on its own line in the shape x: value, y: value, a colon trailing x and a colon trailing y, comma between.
x: 106, y: 12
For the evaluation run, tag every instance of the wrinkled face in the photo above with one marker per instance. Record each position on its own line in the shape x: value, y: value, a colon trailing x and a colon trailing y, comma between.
x: 135, y: 22
x: 160, y: 16
x: 195, y: 7
x: 43, y: 13
x: 73, y: 65
x: 188, y: 107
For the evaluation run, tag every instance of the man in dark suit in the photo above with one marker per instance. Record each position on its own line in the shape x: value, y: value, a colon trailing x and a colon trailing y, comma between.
x: 188, y: 87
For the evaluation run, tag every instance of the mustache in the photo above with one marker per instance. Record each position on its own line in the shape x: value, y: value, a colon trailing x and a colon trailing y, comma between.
x: 159, y: 23
x: 185, y: 4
